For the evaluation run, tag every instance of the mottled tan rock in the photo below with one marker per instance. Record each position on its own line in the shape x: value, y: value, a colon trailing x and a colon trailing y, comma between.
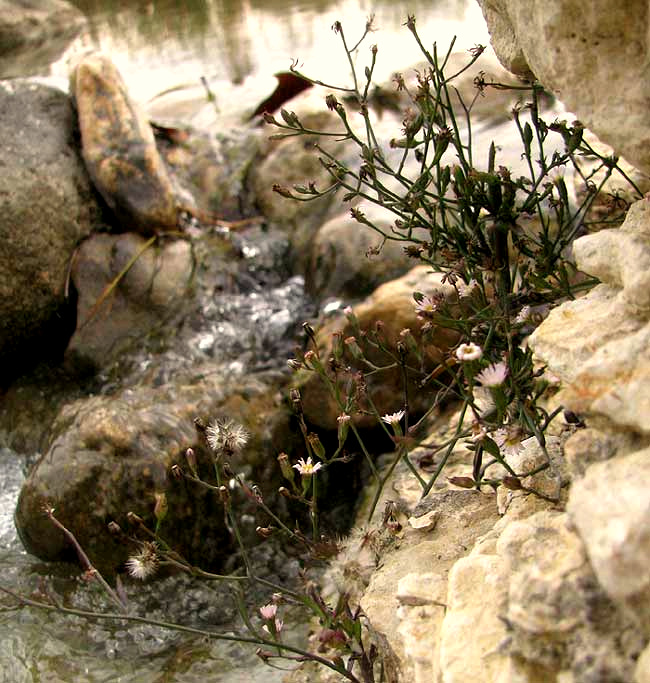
x: 391, y: 303
x: 344, y: 261
x: 119, y: 149
x: 591, y: 55
x: 642, y: 671
x: 477, y: 596
x: 610, y: 508
x: 147, y: 296
x: 598, y: 344
x: 463, y: 517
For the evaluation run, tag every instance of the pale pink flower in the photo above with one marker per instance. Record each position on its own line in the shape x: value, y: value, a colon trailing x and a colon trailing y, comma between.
x: 428, y: 305
x: 307, y: 468
x: 278, y: 626
x: 468, y: 352
x: 393, y: 418
x: 494, y: 375
x: 508, y: 439
x: 269, y: 611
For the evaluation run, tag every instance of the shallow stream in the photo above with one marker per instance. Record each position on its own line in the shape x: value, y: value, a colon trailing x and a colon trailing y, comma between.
x: 163, y: 48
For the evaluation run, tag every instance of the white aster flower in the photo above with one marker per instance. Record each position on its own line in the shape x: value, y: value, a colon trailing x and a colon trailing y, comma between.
x: 508, y: 439
x: 307, y: 468
x: 393, y: 418
x: 428, y: 305
x: 226, y: 436
x: 468, y: 352
x: 465, y: 290
x: 494, y: 375
x: 145, y: 563
x: 523, y: 315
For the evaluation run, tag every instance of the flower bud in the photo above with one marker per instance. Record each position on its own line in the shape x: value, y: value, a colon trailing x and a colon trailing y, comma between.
x: 114, y: 528
x: 176, y: 472
x: 224, y: 494
x: 512, y: 483
x: 132, y: 518
x: 285, y: 466
x: 317, y: 446
x: 190, y: 456
x: 463, y: 482
x: 353, y: 348
x: 160, y: 509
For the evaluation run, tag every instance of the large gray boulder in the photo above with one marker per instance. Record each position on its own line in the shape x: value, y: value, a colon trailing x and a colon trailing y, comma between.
x: 34, y: 34
x: 48, y: 207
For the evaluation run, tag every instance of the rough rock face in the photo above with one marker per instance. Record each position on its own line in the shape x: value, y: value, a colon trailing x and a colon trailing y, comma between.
x: 591, y: 55
x: 119, y: 149
x: 48, y: 207
x: 109, y: 455
x: 344, y: 262
x: 154, y: 288
x: 598, y: 344
x: 34, y: 34
x: 391, y: 303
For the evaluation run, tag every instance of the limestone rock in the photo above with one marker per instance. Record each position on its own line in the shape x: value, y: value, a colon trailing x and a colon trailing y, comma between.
x: 48, y: 207
x: 611, y: 510
x: 119, y: 149
x: 592, y: 56
x: 598, y: 344
x: 463, y: 517
x: 476, y: 597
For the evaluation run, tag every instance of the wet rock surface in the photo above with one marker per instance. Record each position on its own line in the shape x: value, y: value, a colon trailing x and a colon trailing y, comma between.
x: 119, y: 149
x: 48, y: 207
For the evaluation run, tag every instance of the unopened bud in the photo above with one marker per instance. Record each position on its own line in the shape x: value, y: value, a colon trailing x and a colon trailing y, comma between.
x: 283, y: 191
x: 294, y: 364
x: 114, y: 528
x: 309, y: 330
x: 512, y: 483
x: 284, y: 492
x: 190, y: 456
x: 264, y: 531
x: 354, y: 348
x: 343, y: 427
x: 312, y: 361
x: 160, y: 509
x: 352, y: 319
x: 176, y: 472
x: 337, y: 345
x: 463, y: 482
x: 294, y: 396
x: 224, y: 495
x: 285, y: 467
x: 331, y: 102
x: 317, y: 446
x: 264, y: 655
x: 132, y: 518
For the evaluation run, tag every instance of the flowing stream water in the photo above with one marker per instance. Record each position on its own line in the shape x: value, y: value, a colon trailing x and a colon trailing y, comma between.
x: 163, y: 48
